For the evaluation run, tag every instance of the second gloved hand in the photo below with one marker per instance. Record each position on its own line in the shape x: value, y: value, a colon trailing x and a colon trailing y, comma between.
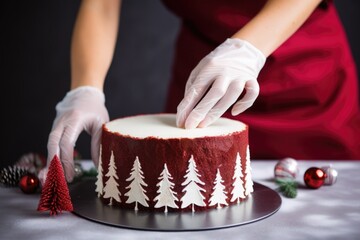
x: 217, y: 82
x: 81, y: 109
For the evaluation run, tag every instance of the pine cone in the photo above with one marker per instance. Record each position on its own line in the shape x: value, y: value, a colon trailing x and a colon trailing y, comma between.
x: 10, y: 176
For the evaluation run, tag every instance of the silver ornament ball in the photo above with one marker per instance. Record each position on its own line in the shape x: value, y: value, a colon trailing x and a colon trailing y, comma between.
x: 331, y: 175
x: 79, y: 171
x: 286, y: 168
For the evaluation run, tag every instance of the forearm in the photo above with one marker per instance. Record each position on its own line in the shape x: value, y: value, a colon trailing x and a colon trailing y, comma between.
x: 275, y: 23
x: 93, y: 42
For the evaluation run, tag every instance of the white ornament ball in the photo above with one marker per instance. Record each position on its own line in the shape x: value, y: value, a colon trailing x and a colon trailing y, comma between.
x: 331, y: 175
x: 286, y: 168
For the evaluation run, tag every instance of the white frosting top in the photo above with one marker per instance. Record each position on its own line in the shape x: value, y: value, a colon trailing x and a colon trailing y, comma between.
x: 164, y: 126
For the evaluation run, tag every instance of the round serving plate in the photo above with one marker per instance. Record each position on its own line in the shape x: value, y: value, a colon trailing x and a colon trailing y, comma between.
x: 262, y: 203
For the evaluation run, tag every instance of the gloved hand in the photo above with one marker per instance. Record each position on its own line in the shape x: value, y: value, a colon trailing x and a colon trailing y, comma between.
x: 217, y: 82
x: 81, y: 109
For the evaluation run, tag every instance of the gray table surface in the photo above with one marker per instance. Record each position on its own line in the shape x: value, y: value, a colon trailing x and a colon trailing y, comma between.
x: 330, y: 212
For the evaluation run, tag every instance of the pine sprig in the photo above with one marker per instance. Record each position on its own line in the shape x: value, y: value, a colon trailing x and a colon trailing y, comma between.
x: 287, y: 187
x: 92, y: 172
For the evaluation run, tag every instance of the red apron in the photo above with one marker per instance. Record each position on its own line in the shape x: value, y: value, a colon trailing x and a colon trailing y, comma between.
x: 308, y: 106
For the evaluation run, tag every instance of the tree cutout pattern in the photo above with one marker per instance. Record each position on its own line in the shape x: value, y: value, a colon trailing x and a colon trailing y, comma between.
x: 136, y: 191
x: 238, y: 190
x: 248, y: 177
x: 99, y: 178
x: 218, y: 196
x: 111, y: 186
x: 166, y: 196
x: 192, y: 190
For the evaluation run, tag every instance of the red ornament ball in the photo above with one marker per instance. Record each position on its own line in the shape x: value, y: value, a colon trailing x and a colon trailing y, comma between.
x: 314, y: 177
x: 29, y: 183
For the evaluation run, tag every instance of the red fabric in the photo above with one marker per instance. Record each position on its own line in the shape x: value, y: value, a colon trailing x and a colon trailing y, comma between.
x: 308, y: 105
x: 55, y: 195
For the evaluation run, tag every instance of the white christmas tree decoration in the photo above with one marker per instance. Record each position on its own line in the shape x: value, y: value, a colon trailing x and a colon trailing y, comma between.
x: 136, y: 191
x: 248, y: 177
x: 166, y: 196
x: 218, y: 196
x: 238, y: 190
x: 192, y: 190
x: 99, y: 180
x: 111, y: 186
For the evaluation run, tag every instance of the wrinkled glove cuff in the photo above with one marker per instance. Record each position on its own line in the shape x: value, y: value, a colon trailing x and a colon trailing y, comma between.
x: 85, y: 90
x: 251, y: 51
x: 80, y: 94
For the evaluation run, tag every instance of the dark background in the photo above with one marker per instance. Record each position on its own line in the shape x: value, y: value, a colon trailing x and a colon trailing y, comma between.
x: 35, y: 68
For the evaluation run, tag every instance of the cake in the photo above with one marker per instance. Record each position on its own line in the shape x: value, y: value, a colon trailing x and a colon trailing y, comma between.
x: 146, y: 163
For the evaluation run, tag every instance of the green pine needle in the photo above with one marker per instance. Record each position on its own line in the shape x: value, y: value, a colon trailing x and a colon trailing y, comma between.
x: 92, y: 172
x: 287, y: 187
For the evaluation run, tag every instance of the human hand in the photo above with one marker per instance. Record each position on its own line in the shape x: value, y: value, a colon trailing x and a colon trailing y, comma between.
x: 82, y: 108
x: 217, y: 82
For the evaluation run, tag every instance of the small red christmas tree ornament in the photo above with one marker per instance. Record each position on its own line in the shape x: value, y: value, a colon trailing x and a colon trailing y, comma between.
x: 55, y: 196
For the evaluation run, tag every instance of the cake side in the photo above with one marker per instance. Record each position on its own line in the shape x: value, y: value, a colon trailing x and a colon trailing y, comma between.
x: 174, y: 174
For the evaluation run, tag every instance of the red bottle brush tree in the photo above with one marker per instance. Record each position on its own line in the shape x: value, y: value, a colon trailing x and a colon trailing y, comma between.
x: 55, y: 196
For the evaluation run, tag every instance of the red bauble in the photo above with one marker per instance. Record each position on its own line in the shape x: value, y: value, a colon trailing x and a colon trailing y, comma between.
x: 29, y: 183
x: 314, y: 177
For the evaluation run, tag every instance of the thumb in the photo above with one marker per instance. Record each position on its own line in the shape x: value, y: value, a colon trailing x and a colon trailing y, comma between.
x: 95, y: 146
x: 42, y: 175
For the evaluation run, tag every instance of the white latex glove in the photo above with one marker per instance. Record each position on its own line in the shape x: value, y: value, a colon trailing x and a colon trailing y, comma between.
x: 81, y: 109
x: 217, y: 82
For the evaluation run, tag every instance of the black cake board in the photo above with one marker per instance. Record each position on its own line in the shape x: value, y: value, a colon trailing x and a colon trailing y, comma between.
x: 262, y: 203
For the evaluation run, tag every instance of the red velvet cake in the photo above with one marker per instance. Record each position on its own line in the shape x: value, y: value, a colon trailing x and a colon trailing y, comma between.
x: 148, y: 164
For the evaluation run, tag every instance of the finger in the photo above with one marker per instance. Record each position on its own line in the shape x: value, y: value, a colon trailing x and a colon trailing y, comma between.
x: 216, y: 92
x: 233, y: 92
x: 194, y: 74
x: 53, y: 143
x: 67, y: 143
x: 191, y: 80
x: 95, y: 145
x: 42, y: 175
x: 192, y: 97
x: 252, y: 92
